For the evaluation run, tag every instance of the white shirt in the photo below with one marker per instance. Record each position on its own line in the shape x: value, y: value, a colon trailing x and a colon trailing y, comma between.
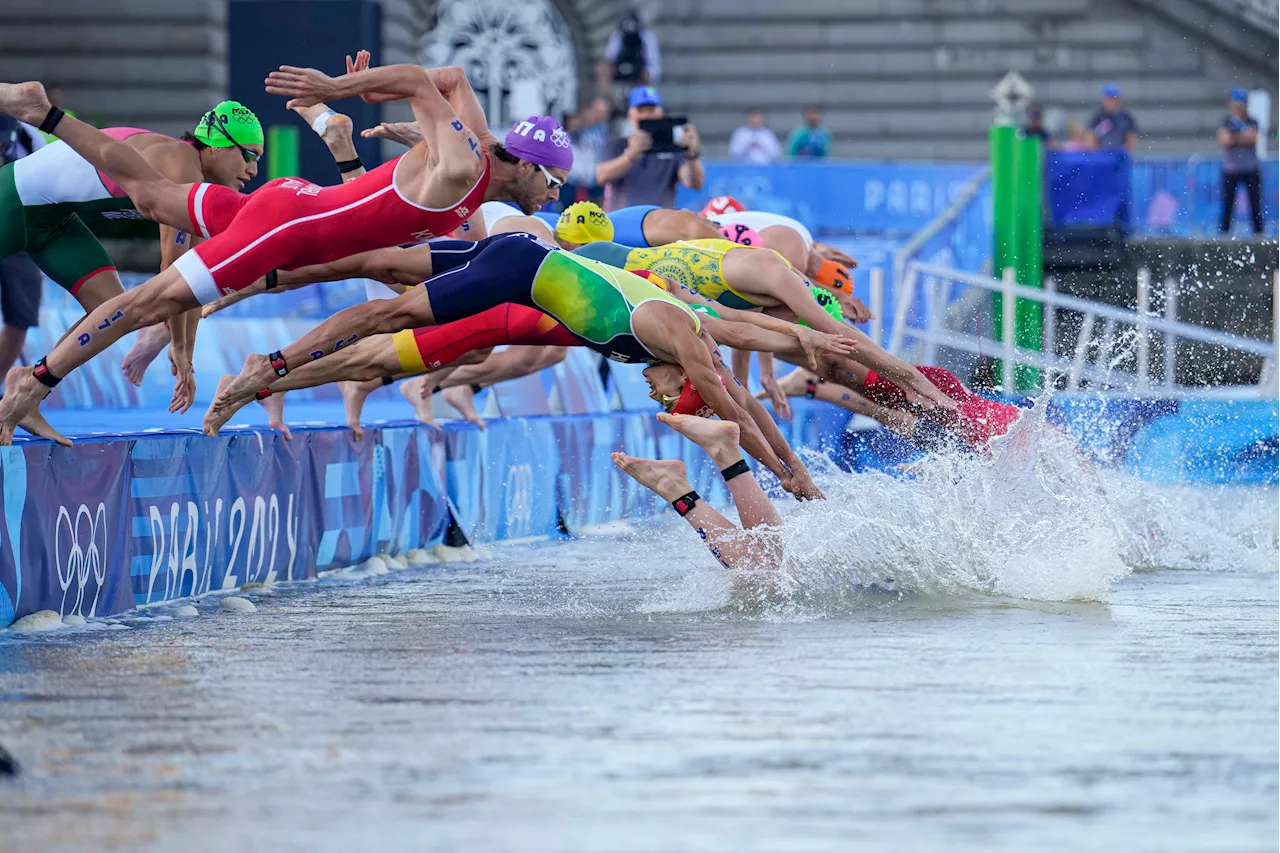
x: 754, y: 144
x: 759, y: 220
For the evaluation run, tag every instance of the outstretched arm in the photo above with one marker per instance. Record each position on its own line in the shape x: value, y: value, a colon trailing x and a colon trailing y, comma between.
x: 803, y: 345
x: 672, y: 337
x: 798, y: 483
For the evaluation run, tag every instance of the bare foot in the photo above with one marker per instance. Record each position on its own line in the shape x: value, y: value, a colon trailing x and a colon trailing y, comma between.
x: 275, y: 413
x: 410, y: 389
x: 223, y: 407
x: 353, y: 397
x: 22, y: 395
x: 463, y: 399
x: 24, y: 101
x: 150, y: 342
x: 667, y: 477
x: 718, y: 438
x: 35, y: 424
x: 337, y: 128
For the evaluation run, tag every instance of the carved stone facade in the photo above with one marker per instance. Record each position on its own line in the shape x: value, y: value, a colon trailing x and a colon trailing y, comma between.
x: 519, y: 57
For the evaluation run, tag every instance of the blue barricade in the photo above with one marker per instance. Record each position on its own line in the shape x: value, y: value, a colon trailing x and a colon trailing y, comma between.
x: 1087, y: 189
x: 845, y: 197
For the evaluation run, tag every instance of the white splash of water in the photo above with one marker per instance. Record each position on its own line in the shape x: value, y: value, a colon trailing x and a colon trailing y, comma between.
x: 1030, y: 520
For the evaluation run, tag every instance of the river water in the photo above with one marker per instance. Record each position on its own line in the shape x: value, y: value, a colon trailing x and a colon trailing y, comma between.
x: 1026, y: 656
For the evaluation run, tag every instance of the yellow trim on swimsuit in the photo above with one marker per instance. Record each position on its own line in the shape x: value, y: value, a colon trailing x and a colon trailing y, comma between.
x: 407, y: 351
x: 698, y: 265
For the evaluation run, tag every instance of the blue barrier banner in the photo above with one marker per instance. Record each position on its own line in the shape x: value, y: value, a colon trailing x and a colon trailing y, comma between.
x: 63, y: 507
x: 1087, y: 188
x: 106, y: 525
x: 848, y: 197
x: 1183, y: 198
x: 208, y: 515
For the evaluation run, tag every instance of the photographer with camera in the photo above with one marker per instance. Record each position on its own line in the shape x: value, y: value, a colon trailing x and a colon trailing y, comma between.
x: 658, y: 152
x: 1238, y: 135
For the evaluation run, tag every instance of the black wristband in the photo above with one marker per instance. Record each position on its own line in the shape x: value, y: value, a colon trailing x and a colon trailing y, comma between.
x: 810, y: 389
x: 41, y: 371
x: 263, y: 394
x: 739, y: 467
x: 273, y: 280
x: 51, y: 120
x: 345, y: 166
x: 685, y: 503
x: 277, y: 364
x: 387, y: 380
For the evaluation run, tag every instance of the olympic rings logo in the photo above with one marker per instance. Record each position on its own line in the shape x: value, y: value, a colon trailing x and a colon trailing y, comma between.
x: 519, y: 500
x: 77, y: 560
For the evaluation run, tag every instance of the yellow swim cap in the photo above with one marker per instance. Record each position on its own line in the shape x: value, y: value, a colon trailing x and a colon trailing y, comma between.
x: 584, y: 222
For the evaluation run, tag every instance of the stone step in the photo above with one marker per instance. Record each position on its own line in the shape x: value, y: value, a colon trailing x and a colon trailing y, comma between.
x: 83, y: 12
x: 843, y: 10
x: 748, y: 34
x: 832, y: 94
x: 35, y: 39
x: 947, y: 121
x: 970, y: 149
x: 167, y: 71
x: 987, y: 63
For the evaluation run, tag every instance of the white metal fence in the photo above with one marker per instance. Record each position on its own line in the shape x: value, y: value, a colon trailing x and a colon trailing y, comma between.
x: 1115, y: 358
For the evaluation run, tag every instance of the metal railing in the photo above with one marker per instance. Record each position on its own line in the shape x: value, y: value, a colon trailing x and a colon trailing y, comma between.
x: 1096, y: 358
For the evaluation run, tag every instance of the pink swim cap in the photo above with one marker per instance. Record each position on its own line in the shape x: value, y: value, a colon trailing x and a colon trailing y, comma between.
x: 742, y: 234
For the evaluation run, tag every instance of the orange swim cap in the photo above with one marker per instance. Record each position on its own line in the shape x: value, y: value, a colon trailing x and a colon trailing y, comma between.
x: 834, y: 276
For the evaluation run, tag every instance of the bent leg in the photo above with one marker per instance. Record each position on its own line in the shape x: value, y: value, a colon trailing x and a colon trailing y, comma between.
x: 370, y: 359
x: 155, y: 196
x: 669, y: 480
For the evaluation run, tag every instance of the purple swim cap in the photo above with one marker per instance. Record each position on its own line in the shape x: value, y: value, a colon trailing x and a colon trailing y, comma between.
x: 541, y: 140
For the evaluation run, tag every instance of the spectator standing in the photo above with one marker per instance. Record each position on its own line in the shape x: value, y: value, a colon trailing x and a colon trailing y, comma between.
x: 753, y: 142
x: 1239, y: 137
x: 1035, y: 125
x: 631, y: 55
x: 1112, y: 128
x: 632, y: 174
x: 589, y: 131
x: 20, y: 278
x: 810, y: 140
x: 1078, y: 137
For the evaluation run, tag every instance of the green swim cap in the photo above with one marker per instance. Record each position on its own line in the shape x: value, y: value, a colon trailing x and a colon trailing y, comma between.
x: 705, y: 309
x: 228, y: 123
x: 828, y: 303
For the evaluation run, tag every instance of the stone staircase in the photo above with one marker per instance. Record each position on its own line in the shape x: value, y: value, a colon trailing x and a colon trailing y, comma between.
x: 156, y: 64
x: 909, y: 79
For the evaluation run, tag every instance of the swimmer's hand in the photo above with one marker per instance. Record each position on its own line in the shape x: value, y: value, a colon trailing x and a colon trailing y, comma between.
x: 854, y: 309
x: 815, y: 342
x: 802, y: 486
x: 184, y: 388
x: 404, y: 132
x: 779, y: 400
x: 360, y: 63
x: 304, y: 87
x: 232, y: 298
x: 831, y: 253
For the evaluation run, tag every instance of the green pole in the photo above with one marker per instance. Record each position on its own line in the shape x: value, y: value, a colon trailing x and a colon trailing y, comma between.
x: 1029, y: 316
x: 1003, y: 138
x: 282, y: 152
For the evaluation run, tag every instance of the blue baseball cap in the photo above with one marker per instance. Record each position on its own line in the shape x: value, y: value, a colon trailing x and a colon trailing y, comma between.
x: 1240, y: 95
x: 641, y: 96
x: 1111, y: 90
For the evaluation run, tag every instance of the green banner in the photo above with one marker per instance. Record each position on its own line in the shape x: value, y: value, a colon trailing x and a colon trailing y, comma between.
x: 1017, y: 180
x: 282, y: 152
